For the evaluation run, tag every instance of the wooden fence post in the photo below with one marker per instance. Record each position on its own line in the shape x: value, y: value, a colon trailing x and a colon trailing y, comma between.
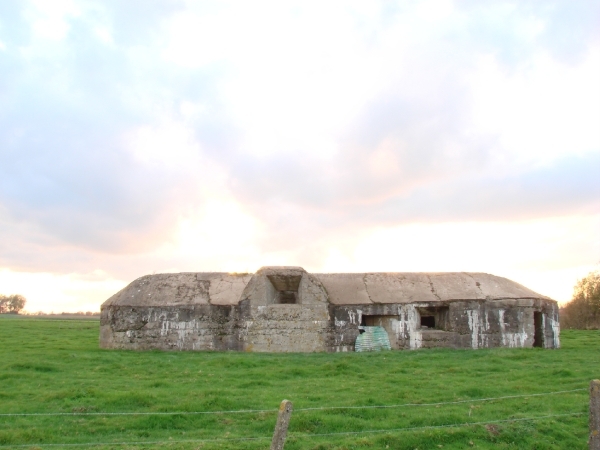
x: 283, y: 420
x: 594, y: 441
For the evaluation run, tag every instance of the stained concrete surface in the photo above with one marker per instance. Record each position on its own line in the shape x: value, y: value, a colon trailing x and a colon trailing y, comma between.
x: 281, y: 309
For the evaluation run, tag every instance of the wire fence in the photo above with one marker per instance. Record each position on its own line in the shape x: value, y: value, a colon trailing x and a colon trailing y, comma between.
x: 144, y: 413
x: 433, y: 427
x: 295, y: 435
x: 317, y: 408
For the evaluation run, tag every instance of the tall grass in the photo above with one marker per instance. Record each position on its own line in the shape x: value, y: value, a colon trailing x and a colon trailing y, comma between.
x: 50, y: 366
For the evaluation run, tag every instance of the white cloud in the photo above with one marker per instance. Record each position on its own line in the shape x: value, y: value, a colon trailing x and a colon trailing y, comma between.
x: 334, y: 135
x: 49, y: 20
x: 169, y: 145
x: 104, y: 34
x: 222, y: 233
x: 543, y: 112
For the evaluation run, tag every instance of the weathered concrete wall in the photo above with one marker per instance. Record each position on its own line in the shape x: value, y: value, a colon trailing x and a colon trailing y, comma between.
x: 269, y: 328
x: 464, y: 324
x: 273, y: 326
x: 287, y: 328
x: 197, y: 327
x: 286, y: 309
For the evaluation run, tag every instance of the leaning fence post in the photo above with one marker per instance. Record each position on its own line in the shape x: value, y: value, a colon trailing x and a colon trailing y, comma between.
x: 283, y: 420
x: 594, y: 441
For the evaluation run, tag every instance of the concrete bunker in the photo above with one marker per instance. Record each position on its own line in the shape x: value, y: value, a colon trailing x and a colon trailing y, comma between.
x: 286, y: 309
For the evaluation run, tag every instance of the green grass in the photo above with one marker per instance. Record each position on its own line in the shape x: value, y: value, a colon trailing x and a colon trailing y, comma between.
x: 56, y: 366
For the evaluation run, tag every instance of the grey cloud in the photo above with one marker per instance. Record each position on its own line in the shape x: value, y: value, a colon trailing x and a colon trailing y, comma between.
x: 569, y: 186
x: 427, y: 141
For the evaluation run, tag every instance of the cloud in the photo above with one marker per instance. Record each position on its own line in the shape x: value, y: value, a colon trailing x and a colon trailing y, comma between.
x: 514, y: 31
x: 75, y: 116
x: 132, y: 135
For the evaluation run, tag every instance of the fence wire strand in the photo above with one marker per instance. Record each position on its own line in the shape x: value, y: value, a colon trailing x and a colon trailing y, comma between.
x: 147, y: 413
x: 431, y: 427
x: 299, y: 436
x: 182, y: 441
x: 317, y: 408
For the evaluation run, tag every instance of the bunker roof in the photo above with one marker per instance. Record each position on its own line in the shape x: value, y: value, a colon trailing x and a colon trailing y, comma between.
x: 221, y: 288
x: 407, y: 287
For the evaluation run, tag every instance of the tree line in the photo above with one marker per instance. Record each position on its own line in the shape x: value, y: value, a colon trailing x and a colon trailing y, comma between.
x: 12, y: 304
x: 583, y: 311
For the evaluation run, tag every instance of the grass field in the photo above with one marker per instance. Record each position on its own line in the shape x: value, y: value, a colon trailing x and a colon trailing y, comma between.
x: 55, y: 366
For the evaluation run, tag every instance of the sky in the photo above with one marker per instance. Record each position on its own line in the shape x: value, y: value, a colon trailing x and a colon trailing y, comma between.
x: 156, y: 136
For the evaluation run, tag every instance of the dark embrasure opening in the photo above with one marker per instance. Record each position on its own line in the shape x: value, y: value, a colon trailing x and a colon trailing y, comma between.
x: 428, y: 321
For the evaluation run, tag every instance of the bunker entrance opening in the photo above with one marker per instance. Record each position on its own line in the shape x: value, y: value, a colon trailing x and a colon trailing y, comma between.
x: 374, y: 321
x: 386, y: 322
x: 538, y: 326
x: 434, y: 317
